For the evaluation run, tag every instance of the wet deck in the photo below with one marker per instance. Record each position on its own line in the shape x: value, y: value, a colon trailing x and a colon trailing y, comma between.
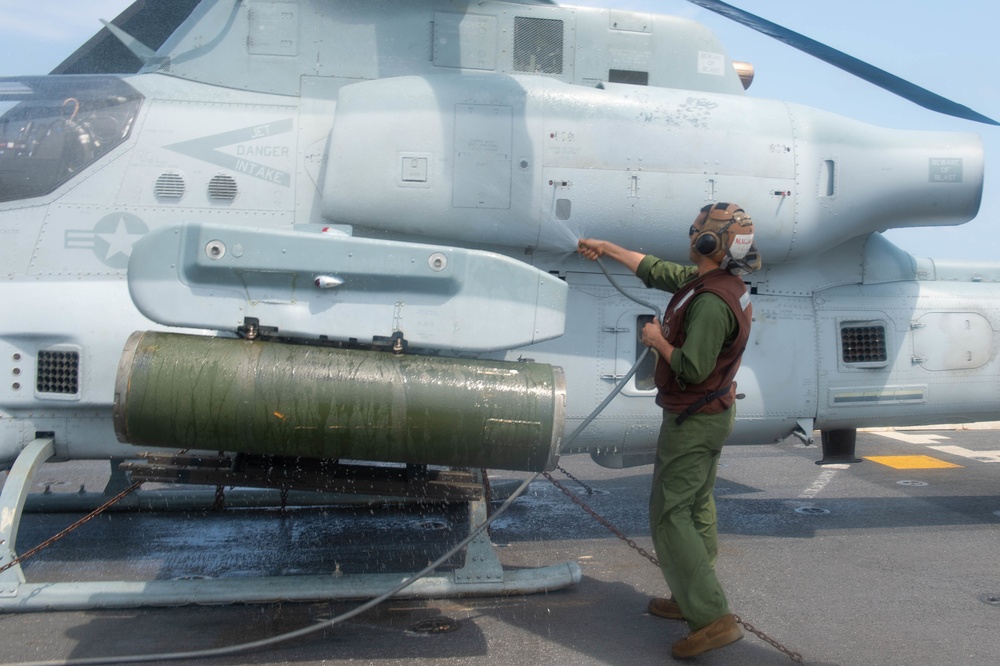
x: 871, y: 564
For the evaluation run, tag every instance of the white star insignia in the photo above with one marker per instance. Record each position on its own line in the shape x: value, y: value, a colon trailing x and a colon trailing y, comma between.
x: 120, y: 241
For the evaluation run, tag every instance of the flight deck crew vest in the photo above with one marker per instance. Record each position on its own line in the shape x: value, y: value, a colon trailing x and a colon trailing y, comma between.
x: 718, y: 391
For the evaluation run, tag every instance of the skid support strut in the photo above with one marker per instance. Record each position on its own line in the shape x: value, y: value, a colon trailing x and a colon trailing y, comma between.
x: 481, y: 574
x: 12, y: 498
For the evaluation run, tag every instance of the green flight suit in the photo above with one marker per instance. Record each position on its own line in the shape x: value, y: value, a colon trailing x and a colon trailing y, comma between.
x: 682, y: 513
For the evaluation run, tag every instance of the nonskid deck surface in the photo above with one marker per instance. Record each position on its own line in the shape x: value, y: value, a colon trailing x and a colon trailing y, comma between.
x: 889, y: 561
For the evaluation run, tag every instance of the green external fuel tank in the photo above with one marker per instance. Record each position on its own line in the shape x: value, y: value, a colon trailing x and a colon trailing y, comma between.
x: 272, y: 398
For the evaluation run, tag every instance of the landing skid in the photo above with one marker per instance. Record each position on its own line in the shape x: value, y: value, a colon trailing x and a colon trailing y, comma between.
x: 481, y: 575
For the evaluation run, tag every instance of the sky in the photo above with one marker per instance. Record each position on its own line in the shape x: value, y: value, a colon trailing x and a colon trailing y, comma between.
x: 942, y: 46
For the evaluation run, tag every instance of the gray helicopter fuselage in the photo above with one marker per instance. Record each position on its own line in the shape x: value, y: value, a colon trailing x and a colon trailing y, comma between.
x: 493, y: 134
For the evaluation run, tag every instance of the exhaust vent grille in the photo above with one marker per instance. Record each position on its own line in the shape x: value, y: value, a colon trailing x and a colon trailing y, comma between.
x: 169, y: 186
x: 863, y: 344
x: 222, y: 188
x: 58, y: 372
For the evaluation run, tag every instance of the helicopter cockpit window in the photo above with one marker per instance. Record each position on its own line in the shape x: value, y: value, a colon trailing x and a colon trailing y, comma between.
x: 52, y: 127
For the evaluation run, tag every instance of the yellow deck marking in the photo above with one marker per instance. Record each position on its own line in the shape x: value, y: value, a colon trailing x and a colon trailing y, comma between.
x: 911, y: 462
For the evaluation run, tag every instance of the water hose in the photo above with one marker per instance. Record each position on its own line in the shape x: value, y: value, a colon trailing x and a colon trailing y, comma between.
x: 371, y: 603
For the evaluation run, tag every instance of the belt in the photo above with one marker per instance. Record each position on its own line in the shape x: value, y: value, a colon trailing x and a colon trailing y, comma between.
x: 701, y: 402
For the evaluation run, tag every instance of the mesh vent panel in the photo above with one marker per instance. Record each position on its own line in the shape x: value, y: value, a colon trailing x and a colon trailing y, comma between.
x: 863, y: 344
x: 538, y: 45
x: 58, y: 372
x: 222, y: 188
x: 169, y: 186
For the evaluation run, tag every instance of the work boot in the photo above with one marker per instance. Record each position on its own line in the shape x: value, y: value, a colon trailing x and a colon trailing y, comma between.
x: 667, y: 608
x: 720, y: 633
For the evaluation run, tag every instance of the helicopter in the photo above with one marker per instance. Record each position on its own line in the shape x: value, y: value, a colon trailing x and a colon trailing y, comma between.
x: 327, y: 232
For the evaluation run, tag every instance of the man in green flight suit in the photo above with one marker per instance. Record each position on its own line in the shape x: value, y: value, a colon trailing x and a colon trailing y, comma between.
x: 699, y: 346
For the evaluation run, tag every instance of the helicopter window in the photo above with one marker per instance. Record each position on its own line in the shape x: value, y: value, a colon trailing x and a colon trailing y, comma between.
x: 53, y: 127
x: 538, y: 45
x: 863, y: 342
x: 628, y: 76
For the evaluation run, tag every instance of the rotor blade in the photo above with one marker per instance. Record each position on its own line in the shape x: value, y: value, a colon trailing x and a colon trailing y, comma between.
x: 850, y: 64
x: 148, y: 21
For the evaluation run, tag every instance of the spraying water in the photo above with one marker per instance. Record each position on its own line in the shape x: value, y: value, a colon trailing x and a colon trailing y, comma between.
x: 555, y: 234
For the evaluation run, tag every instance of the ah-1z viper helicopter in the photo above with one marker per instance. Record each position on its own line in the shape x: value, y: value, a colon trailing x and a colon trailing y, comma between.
x: 344, y: 230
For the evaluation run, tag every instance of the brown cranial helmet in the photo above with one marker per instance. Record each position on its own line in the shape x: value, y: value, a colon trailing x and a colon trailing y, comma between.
x: 723, y: 232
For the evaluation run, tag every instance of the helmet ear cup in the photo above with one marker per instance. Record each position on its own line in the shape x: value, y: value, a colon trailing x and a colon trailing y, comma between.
x: 712, y: 220
x: 707, y: 243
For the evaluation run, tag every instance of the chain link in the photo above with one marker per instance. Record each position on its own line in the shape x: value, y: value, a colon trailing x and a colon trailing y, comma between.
x: 487, y: 492
x: 602, y: 520
x: 590, y: 491
x: 51, y: 540
x: 794, y: 656
x: 488, y: 499
x: 220, y: 498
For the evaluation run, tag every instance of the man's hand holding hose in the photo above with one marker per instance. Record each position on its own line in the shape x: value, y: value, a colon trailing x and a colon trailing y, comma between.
x: 594, y: 249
